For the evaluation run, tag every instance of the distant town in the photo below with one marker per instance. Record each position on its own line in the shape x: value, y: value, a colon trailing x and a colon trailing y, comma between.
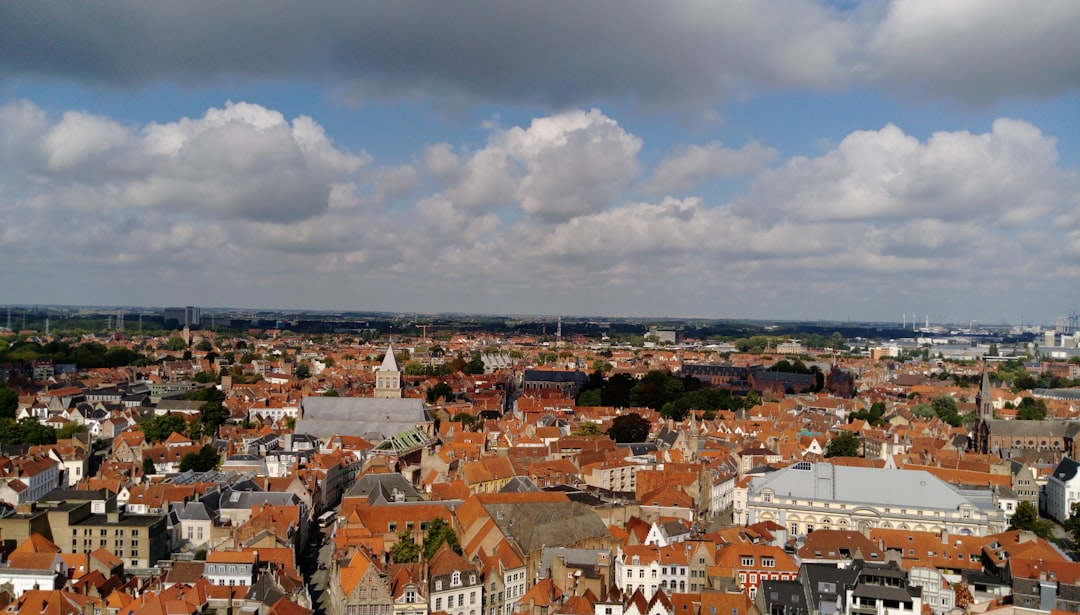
x: 187, y: 460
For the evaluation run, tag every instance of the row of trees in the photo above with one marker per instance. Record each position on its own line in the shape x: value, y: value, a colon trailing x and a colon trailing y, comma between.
x: 673, y: 397
x: 87, y: 356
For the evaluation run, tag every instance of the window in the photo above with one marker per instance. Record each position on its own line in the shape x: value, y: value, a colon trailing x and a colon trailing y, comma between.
x: 461, y: 600
x: 768, y: 562
x: 766, y: 497
x: 472, y: 597
x: 746, y: 560
x: 438, y: 604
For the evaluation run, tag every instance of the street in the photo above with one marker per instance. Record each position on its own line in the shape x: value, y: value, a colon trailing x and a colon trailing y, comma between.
x: 318, y: 551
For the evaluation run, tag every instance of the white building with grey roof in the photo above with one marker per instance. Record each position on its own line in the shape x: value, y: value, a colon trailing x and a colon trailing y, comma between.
x: 809, y: 496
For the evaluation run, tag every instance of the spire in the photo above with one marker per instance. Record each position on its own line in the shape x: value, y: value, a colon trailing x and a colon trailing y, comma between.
x: 984, y: 401
x: 389, y: 363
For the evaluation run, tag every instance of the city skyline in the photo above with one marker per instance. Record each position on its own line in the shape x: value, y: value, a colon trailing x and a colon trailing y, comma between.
x: 797, y: 159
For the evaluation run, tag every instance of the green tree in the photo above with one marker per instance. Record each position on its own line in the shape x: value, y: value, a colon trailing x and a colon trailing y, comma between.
x: 148, y: 466
x: 69, y: 430
x: 157, y: 428
x: 438, y: 532
x: 1072, y: 524
x: 9, y: 401
x: 203, y: 461
x: 589, y: 398
x: 204, y: 346
x: 26, y: 431
x: 331, y: 393
x: 405, y: 550
x: 655, y: 389
x: 414, y: 368
x: 467, y: 420
x: 302, y: 371
x: 175, y: 343
x: 440, y: 390
x: 843, y: 445
x: 1031, y: 409
x: 630, y: 427
x: 947, y: 410
x: 588, y: 428
x: 1026, y: 517
x: 475, y: 366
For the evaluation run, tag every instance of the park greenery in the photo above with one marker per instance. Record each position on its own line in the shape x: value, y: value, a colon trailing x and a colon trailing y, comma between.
x: 672, y: 396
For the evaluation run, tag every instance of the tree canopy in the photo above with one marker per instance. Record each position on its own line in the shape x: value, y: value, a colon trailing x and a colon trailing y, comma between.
x: 631, y: 427
x: 1026, y: 517
x: 843, y: 445
x: 438, y: 532
x: 405, y: 550
x: 25, y: 431
x: 157, y: 428
x: 203, y: 461
x: 1031, y: 409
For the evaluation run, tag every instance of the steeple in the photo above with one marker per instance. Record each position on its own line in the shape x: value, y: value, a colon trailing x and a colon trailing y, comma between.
x: 388, y: 377
x: 984, y: 400
x: 389, y: 362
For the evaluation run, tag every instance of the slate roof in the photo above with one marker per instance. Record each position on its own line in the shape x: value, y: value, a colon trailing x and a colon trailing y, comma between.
x: 872, y: 486
x: 368, y: 417
x: 1066, y: 470
x: 534, y: 525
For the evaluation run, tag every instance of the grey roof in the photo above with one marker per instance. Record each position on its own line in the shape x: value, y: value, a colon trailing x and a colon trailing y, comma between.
x: 379, y: 488
x: 246, y: 499
x: 534, y: 525
x: 367, y: 417
x: 190, y: 511
x: 1050, y: 429
x: 551, y: 375
x: 519, y: 484
x: 1066, y: 470
x: 872, y: 486
x: 782, y: 593
x: 826, y: 582
x: 265, y: 590
x: 586, y: 560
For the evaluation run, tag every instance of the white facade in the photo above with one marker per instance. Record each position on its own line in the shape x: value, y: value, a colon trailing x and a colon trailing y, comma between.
x: 1062, y: 490
x: 459, y: 594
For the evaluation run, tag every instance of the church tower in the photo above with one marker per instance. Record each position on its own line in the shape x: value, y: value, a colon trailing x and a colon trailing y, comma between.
x: 984, y: 409
x: 388, y: 377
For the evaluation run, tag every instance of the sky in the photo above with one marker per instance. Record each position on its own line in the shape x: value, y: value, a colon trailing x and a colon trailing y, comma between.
x: 775, y: 159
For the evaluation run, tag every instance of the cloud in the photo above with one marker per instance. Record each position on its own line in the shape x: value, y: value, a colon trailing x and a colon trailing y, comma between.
x: 542, y: 217
x: 1008, y: 176
x: 559, y: 167
x: 977, y: 50
x: 682, y: 54
x: 696, y: 163
x: 575, y: 163
x: 242, y: 161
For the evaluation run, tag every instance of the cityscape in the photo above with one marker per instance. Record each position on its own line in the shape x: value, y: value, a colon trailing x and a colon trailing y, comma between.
x: 350, y: 462
x: 703, y: 307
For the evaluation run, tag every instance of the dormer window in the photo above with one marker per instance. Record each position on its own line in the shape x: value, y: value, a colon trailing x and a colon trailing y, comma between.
x: 455, y: 579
